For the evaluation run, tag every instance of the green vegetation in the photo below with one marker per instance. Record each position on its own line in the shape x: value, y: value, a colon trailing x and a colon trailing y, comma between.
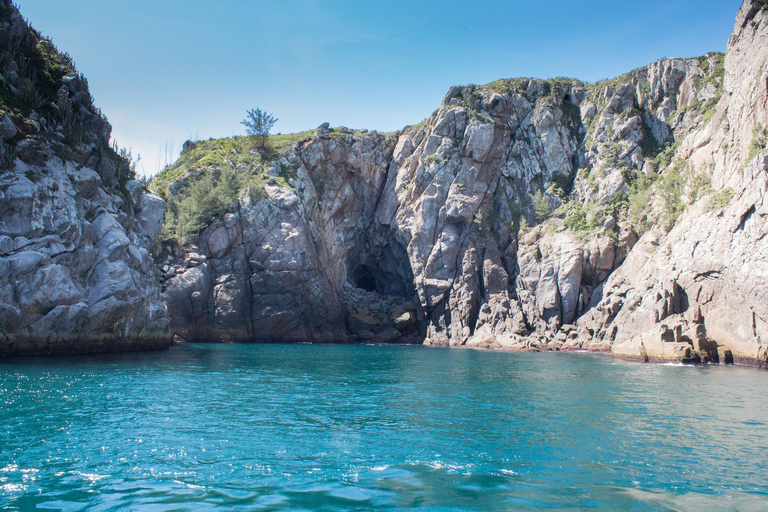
x: 759, y: 142
x: 511, y: 86
x: 206, y: 198
x: 480, y: 117
x: 720, y: 199
x: 225, y: 169
x: 670, y: 188
x: 659, y: 198
x: 481, y: 223
x: 572, y: 114
x: 541, y: 209
x: 7, y: 155
x: 41, y: 68
x: 218, y: 172
x: 49, y: 93
x: 258, y: 125
x: 709, y: 107
x: 705, y: 108
x: 230, y: 151
x: 664, y: 156
x: 649, y: 145
x: 561, y: 184
x: 574, y: 216
x: 516, y: 213
x: 710, y: 76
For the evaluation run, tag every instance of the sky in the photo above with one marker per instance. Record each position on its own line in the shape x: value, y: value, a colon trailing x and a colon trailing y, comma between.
x: 171, y: 70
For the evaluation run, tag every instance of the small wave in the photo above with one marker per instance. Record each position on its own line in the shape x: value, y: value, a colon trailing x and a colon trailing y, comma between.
x: 12, y: 488
x: 441, y: 465
x: 91, y: 477
x: 189, y: 486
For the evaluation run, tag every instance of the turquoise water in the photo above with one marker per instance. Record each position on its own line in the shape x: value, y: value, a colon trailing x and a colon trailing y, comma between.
x: 339, y: 427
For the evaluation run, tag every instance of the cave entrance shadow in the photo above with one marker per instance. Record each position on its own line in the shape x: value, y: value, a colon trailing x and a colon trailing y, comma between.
x: 364, y: 279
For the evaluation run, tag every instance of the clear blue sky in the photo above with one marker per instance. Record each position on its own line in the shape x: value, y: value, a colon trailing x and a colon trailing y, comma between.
x: 165, y: 71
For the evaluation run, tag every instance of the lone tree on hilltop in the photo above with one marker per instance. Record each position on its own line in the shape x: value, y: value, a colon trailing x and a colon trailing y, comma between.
x: 257, y: 125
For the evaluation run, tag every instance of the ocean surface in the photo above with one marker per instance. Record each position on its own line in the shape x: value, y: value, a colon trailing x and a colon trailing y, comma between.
x: 344, y: 427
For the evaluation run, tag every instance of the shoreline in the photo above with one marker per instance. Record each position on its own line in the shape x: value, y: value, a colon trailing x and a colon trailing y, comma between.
x: 122, y: 349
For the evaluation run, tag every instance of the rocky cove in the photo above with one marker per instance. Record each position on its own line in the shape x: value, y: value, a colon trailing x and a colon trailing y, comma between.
x: 625, y: 216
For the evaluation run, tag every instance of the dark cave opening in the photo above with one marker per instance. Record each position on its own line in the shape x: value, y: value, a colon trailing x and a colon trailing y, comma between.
x: 363, y: 278
x: 384, y: 270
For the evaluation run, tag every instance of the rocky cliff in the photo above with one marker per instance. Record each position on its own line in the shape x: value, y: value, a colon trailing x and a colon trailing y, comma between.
x: 76, y: 274
x: 624, y: 215
x: 700, y: 290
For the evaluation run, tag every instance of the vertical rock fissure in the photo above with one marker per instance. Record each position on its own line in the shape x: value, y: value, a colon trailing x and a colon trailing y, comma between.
x: 249, y: 271
x: 380, y: 193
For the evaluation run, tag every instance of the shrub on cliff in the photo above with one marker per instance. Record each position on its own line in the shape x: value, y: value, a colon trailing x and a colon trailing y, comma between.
x: 541, y: 208
x: 670, y: 189
x: 574, y: 216
x: 561, y: 184
x: 258, y: 124
x: 759, y: 142
x: 205, y: 199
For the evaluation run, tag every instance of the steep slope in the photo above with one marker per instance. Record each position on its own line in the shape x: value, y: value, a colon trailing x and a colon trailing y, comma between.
x: 704, y: 285
x: 76, y: 274
x: 496, y: 221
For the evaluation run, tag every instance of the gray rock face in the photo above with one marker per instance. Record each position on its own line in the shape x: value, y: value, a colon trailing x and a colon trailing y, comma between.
x: 438, y: 232
x: 283, y: 267
x: 704, y: 281
x: 76, y: 273
x: 423, y: 221
x: 150, y: 211
x: 7, y: 128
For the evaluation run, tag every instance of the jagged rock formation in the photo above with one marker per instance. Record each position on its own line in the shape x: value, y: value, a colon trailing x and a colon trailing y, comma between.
x: 515, y: 211
x: 76, y: 274
x: 626, y: 215
x: 702, y: 287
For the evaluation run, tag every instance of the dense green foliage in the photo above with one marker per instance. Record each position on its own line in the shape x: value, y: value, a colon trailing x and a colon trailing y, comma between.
x: 574, y: 216
x: 206, y: 198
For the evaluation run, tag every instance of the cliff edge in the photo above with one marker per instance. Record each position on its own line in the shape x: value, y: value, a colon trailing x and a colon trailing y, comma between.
x: 76, y: 274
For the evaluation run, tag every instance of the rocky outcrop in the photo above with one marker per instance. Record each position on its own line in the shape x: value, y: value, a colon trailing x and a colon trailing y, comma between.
x: 301, y: 261
x: 699, y: 291
x: 427, y: 219
x: 625, y: 215
x: 76, y: 273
